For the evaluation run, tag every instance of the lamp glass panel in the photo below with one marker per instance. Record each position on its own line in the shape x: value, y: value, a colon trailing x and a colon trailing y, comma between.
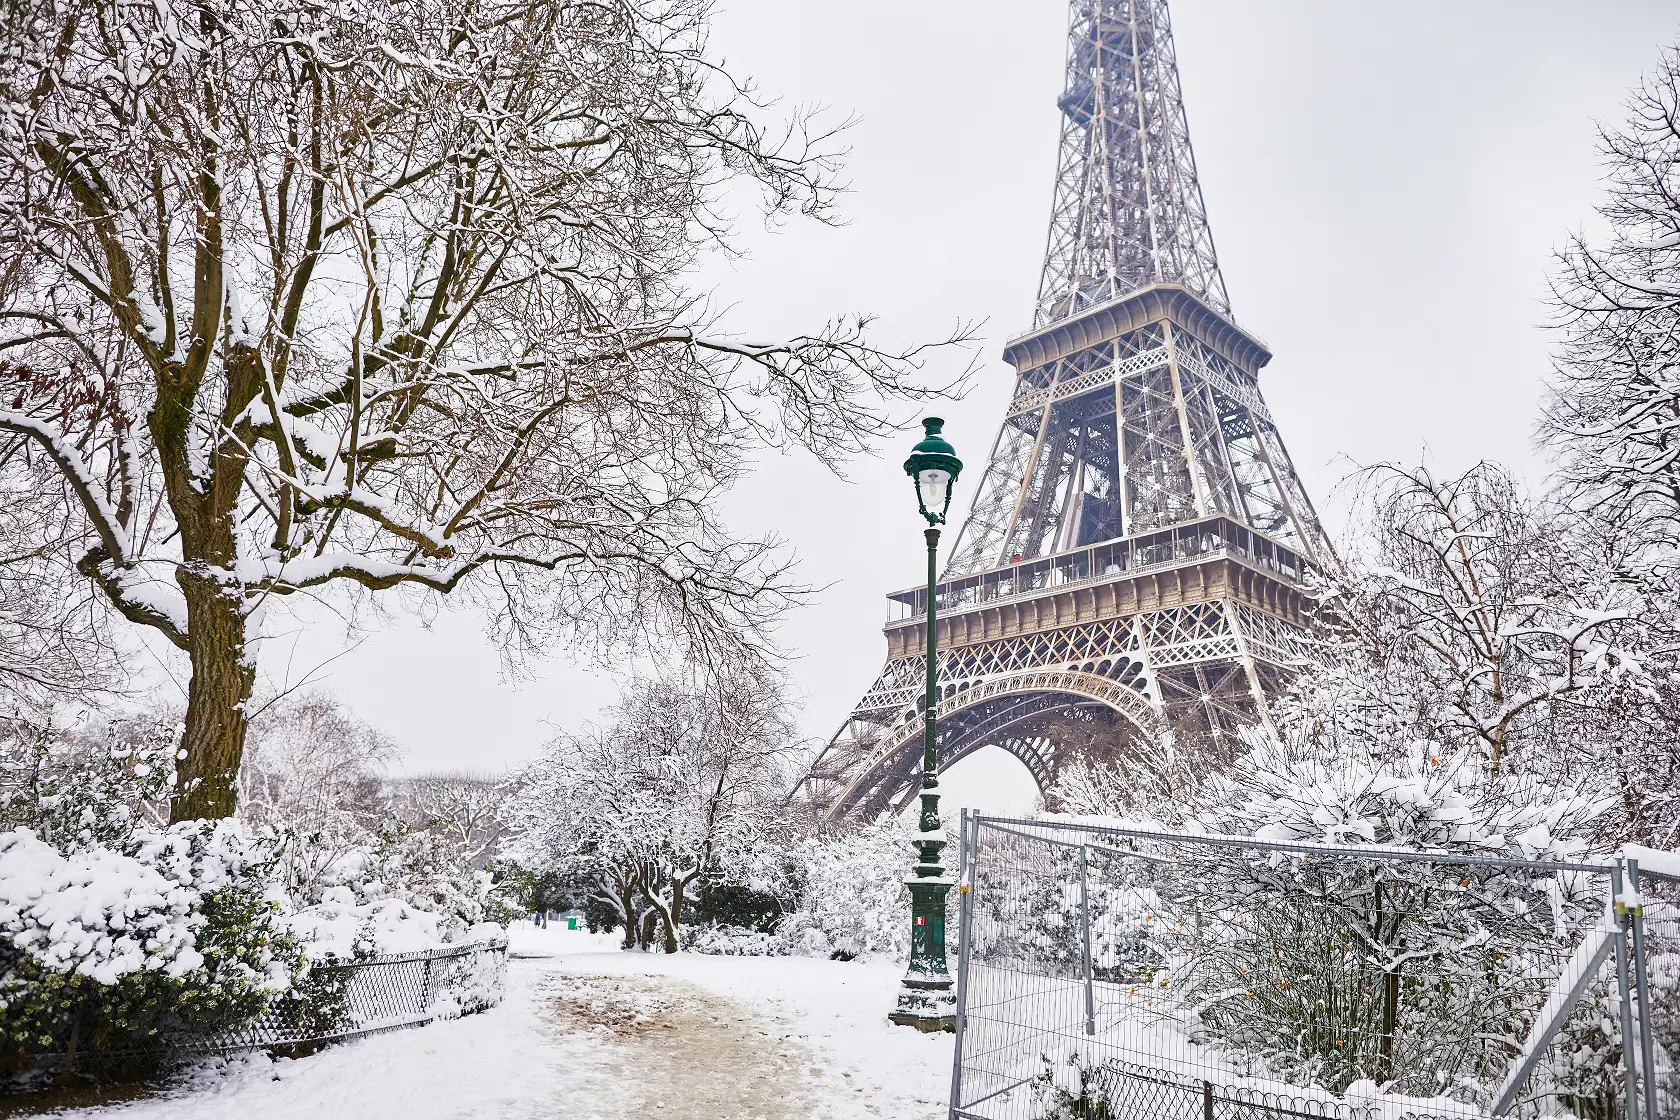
x: 935, y: 489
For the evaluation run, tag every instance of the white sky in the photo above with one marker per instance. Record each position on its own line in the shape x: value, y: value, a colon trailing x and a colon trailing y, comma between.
x: 1385, y: 182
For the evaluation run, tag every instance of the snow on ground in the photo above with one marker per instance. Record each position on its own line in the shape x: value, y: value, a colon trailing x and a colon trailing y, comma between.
x: 587, y: 1031
x: 860, y: 1065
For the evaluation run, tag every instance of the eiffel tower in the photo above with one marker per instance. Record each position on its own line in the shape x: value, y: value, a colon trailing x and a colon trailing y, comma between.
x: 1135, y: 556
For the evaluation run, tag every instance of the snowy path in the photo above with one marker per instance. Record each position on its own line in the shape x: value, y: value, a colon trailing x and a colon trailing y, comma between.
x: 669, y: 1041
x: 589, y: 1032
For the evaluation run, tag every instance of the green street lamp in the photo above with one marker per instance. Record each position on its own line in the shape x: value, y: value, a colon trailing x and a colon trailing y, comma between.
x: 925, y: 999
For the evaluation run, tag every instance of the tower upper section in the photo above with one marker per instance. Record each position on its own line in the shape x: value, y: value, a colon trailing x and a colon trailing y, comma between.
x: 1137, y: 406
x: 1128, y: 209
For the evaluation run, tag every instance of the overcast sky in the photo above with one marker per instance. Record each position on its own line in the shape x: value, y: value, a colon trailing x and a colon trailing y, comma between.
x: 1386, y: 183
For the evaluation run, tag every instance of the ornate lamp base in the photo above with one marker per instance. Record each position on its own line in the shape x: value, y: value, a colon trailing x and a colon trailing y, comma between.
x: 926, y: 1000
x: 928, y: 1005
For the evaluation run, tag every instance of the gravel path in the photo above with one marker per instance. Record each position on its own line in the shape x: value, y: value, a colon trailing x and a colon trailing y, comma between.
x: 676, y: 1050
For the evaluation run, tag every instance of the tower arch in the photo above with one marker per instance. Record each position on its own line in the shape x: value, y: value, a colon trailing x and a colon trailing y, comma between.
x: 1024, y: 714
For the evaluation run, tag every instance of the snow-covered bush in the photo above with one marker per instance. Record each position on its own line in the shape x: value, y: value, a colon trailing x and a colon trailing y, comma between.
x: 734, y: 941
x: 398, y: 894
x: 1334, y: 970
x: 1079, y: 1088
x: 107, y: 949
x: 116, y: 932
x: 84, y: 782
x: 341, y: 928
x: 851, y: 900
x: 472, y: 982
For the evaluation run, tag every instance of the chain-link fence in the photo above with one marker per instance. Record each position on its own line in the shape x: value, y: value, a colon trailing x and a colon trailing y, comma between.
x: 339, y: 1001
x: 331, y: 1003
x: 1113, y: 972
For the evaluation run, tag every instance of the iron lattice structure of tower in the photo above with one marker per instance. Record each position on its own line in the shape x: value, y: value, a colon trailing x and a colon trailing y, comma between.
x: 1135, y: 556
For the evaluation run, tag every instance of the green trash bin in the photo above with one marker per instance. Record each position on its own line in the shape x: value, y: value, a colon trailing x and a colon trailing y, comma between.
x: 571, y: 923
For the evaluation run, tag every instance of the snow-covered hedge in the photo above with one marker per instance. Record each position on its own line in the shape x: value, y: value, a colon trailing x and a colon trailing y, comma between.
x: 116, y: 932
x: 734, y: 941
x: 109, y: 948
x: 396, y: 892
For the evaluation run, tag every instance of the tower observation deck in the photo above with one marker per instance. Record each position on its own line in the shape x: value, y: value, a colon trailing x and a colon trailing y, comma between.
x: 1134, y: 560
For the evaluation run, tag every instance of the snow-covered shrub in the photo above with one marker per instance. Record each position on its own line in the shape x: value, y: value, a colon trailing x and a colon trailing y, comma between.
x: 430, y: 872
x: 84, y: 784
x: 116, y: 932
x: 1335, y: 970
x: 733, y: 941
x: 472, y: 982
x: 1080, y: 1089
x: 851, y: 900
x: 756, y: 904
x: 341, y: 928
x: 376, y: 900
x: 109, y: 949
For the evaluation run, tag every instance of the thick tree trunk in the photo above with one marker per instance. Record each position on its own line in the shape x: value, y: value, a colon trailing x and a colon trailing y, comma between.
x: 222, y: 677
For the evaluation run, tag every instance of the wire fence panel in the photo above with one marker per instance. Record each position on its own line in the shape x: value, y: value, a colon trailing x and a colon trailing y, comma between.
x: 1115, y: 972
x: 1657, y: 991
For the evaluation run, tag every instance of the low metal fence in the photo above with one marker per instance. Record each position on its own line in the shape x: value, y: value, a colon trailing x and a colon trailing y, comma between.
x: 1110, y: 972
x: 359, y: 997
x: 333, y: 1002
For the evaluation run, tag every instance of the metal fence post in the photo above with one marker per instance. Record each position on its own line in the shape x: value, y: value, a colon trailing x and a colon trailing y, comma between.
x: 1085, y: 922
x: 1642, y: 986
x: 1624, y: 995
x: 968, y: 854
x: 962, y: 845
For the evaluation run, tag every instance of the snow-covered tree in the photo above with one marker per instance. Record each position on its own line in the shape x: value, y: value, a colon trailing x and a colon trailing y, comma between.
x: 1612, y: 421
x: 315, y: 771
x: 1471, y: 604
x: 466, y: 811
x: 1613, y: 414
x: 849, y: 894
x: 1496, y: 625
x: 684, y: 781
x: 1411, y: 973
x: 391, y: 295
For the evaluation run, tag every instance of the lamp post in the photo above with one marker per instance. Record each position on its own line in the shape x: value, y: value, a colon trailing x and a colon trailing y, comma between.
x: 925, y: 999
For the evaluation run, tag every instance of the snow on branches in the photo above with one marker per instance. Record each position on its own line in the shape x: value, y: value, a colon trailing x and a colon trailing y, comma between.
x: 1471, y: 601
x: 392, y: 295
x: 1613, y: 414
x: 684, y: 782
